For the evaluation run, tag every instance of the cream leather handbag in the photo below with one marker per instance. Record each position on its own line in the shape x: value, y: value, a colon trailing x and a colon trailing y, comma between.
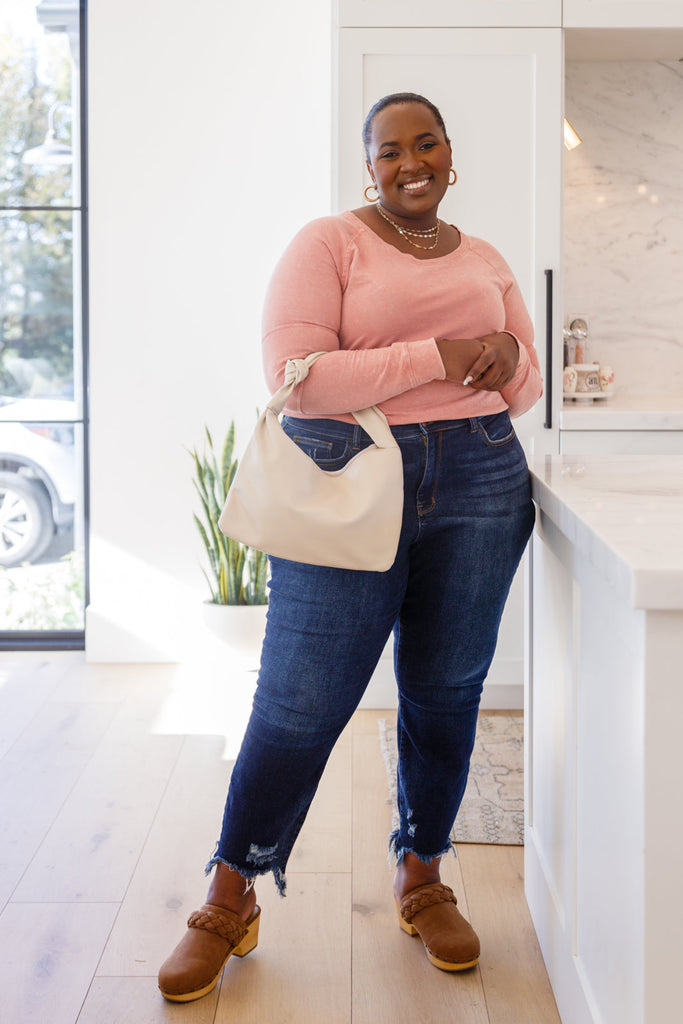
x: 282, y: 503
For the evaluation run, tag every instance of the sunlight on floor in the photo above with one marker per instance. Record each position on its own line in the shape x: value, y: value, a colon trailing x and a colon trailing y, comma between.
x: 210, y: 695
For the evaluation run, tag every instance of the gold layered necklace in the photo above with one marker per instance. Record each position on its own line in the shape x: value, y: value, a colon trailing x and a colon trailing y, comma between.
x: 428, y: 233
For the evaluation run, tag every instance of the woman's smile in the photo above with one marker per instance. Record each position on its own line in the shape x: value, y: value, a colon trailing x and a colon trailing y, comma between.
x: 418, y: 186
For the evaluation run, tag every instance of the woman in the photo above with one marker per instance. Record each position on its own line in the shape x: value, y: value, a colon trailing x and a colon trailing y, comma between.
x: 428, y: 323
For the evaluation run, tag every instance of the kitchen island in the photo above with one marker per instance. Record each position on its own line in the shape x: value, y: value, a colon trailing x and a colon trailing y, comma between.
x: 604, y: 719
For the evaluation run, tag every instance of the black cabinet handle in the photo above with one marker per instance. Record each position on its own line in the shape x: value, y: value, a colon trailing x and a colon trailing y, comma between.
x: 548, y: 349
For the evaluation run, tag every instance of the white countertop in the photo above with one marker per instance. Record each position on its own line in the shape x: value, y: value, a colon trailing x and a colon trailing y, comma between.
x: 624, y: 412
x: 625, y: 513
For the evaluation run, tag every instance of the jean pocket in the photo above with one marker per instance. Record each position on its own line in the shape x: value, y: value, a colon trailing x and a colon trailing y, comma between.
x: 496, y: 430
x: 328, y: 453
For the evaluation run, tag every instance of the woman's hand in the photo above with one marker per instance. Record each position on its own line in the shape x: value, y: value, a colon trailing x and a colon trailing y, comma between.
x: 486, y: 364
x: 458, y: 355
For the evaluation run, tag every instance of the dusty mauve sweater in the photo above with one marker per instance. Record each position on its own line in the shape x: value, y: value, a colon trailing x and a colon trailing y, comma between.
x: 340, y: 288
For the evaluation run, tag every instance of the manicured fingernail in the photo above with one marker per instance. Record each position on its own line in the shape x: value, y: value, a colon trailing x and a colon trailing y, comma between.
x: 467, y: 380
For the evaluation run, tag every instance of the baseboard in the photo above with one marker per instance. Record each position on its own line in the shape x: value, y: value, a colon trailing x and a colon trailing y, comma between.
x: 504, y: 695
x: 381, y: 691
x: 108, y: 639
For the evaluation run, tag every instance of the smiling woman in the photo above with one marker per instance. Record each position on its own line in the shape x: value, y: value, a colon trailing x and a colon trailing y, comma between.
x: 427, y: 323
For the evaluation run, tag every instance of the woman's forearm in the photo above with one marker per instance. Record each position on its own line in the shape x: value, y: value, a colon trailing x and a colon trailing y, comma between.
x: 346, y: 380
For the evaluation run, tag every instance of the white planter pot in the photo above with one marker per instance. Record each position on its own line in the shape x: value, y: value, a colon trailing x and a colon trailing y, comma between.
x: 241, y: 626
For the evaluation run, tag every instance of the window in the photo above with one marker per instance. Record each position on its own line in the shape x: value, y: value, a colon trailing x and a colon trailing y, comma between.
x: 43, y: 323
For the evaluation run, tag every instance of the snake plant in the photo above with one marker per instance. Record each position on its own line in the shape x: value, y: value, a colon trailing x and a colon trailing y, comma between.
x: 238, y: 572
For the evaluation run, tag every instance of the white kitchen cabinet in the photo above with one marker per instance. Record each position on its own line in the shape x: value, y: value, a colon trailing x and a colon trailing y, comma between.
x: 500, y: 91
x: 622, y: 14
x: 442, y: 13
x: 621, y: 442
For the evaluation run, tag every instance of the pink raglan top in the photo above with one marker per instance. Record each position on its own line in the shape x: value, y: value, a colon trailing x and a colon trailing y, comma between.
x: 341, y: 289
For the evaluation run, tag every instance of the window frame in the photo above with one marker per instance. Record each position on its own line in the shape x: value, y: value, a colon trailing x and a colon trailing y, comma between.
x: 73, y: 640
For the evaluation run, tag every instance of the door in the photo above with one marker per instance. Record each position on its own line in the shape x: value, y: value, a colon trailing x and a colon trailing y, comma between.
x: 500, y: 92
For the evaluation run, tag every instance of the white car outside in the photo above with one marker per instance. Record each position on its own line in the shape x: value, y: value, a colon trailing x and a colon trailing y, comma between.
x: 37, y: 475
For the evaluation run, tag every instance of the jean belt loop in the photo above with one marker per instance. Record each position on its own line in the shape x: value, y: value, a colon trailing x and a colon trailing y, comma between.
x: 357, y: 436
x: 474, y: 424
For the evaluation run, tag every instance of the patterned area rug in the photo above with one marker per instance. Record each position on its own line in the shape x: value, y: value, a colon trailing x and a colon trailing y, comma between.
x: 492, y: 810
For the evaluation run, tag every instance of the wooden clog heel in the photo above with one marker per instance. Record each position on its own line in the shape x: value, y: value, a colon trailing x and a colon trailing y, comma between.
x: 431, y: 912
x: 213, y: 936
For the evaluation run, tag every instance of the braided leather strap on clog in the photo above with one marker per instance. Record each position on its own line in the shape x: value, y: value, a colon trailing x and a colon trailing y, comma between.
x: 426, y: 896
x: 232, y: 929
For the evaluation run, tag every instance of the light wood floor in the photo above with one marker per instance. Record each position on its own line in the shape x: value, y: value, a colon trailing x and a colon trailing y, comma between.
x: 107, y: 816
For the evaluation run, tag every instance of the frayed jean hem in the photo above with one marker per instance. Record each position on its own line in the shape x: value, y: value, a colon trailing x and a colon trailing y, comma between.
x: 397, y: 852
x: 251, y: 874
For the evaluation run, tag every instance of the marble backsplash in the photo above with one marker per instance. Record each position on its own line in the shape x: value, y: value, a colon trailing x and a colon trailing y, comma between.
x: 623, y: 224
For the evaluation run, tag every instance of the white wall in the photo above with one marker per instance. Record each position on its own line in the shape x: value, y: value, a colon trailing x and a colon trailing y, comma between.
x: 209, y: 147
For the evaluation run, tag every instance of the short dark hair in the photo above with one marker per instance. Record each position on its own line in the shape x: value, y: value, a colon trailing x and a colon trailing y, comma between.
x: 394, y: 99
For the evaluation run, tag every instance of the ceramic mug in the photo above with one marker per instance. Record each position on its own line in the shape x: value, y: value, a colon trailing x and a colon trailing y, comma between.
x: 569, y: 379
x: 587, y: 378
x: 606, y: 376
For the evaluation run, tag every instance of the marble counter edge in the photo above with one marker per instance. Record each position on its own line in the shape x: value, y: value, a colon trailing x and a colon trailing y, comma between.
x: 648, y: 588
x: 624, y: 412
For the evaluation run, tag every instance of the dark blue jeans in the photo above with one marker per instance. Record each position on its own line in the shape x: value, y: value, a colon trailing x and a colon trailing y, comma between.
x: 467, y: 518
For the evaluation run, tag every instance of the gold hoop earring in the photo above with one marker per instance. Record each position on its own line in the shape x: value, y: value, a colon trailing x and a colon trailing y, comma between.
x: 367, y: 189
x: 455, y: 176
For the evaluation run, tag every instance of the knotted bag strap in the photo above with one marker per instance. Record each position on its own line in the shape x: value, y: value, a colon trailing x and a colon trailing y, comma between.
x: 372, y: 420
x: 426, y: 896
x: 231, y: 928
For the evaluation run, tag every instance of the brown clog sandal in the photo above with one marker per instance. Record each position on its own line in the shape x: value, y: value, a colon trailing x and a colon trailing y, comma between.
x: 430, y: 911
x: 214, y: 934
